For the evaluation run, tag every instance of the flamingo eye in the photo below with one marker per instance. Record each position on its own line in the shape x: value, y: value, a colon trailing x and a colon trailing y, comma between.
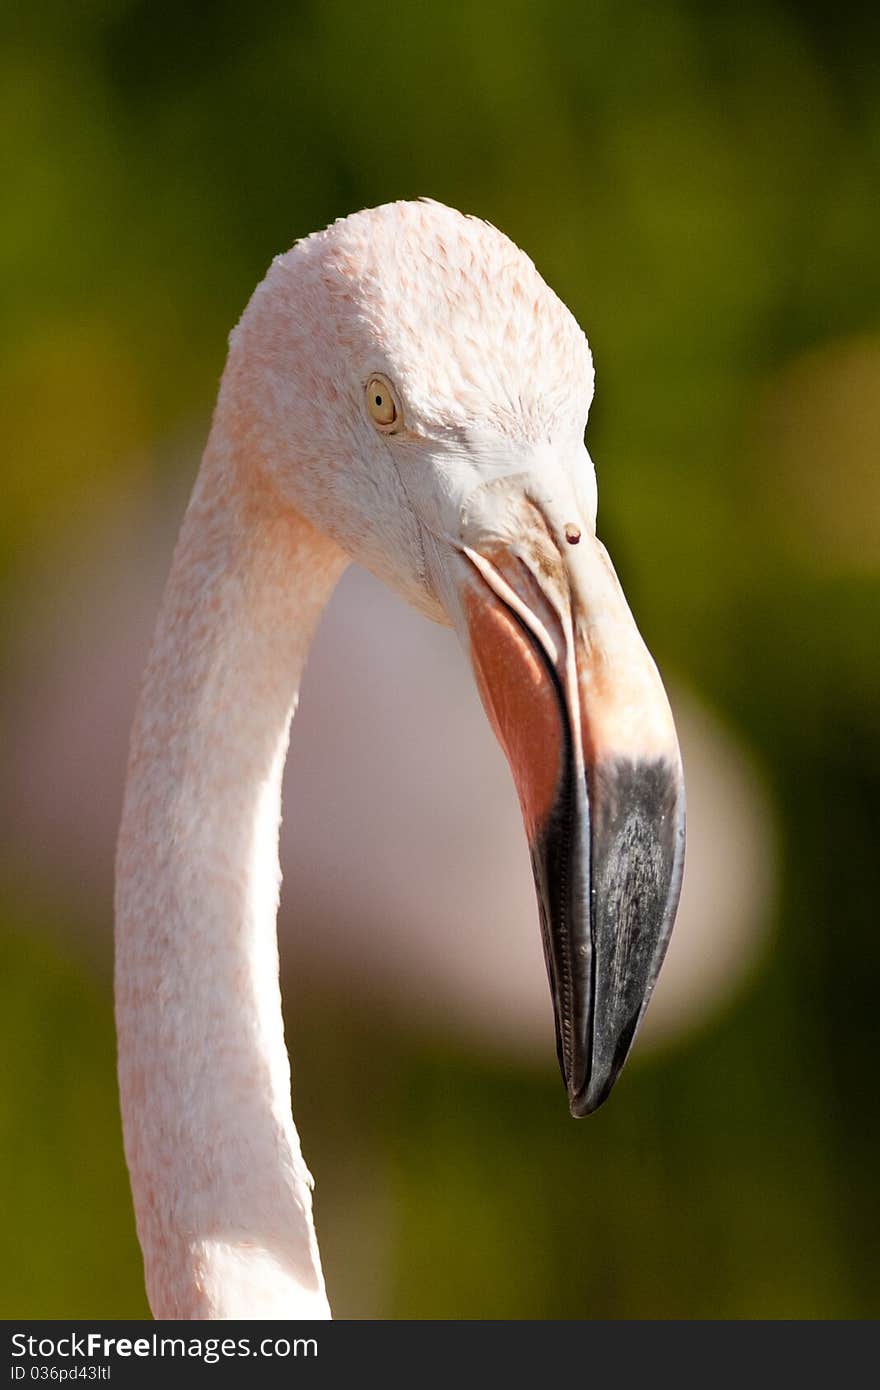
x: 381, y: 404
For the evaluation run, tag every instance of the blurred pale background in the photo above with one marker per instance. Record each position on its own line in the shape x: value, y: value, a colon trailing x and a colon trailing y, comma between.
x: 699, y: 183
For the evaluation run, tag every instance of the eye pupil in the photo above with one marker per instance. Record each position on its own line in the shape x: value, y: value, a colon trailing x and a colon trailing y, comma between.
x: 378, y: 400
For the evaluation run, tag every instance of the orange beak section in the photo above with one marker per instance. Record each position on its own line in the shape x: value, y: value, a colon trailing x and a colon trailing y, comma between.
x: 578, y: 707
x: 522, y: 699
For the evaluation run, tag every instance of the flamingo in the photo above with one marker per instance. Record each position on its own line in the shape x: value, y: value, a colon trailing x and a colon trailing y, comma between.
x: 403, y: 390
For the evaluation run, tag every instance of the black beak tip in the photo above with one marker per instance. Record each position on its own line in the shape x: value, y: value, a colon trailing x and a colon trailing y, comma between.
x: 595, y: 1081
x: 589, y: 1098
x: 581, y: 1105
x: 608, y: 870
x: 587, y: 1102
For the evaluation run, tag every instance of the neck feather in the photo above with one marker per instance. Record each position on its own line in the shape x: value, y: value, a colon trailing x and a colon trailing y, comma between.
x: 222, y: 1195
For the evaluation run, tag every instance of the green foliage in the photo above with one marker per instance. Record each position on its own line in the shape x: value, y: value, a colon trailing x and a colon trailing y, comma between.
x: 69, y: 1248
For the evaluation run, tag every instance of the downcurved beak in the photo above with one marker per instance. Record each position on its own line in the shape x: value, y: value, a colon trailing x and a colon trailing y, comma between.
x: 580, y: 711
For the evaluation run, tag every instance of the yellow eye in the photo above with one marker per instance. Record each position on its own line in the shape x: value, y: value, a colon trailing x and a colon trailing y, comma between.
x: 381, y: 403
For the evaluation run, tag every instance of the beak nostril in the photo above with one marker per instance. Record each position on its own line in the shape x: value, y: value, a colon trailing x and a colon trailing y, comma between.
x: 572, y: 533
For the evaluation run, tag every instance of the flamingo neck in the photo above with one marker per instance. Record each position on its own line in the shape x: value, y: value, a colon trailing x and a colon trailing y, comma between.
x: 221, y: 1192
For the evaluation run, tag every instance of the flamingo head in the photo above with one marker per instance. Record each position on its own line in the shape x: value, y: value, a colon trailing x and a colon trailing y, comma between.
x: 418, y: 392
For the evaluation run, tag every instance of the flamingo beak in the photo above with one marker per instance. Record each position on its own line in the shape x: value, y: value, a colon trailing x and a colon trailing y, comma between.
x: 580, y: 711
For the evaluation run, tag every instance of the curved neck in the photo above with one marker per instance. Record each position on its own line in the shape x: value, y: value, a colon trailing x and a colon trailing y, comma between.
x: 222, y: 1195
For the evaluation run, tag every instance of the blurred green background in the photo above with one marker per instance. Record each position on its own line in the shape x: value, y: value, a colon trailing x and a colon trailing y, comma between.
x: 699, y: 182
